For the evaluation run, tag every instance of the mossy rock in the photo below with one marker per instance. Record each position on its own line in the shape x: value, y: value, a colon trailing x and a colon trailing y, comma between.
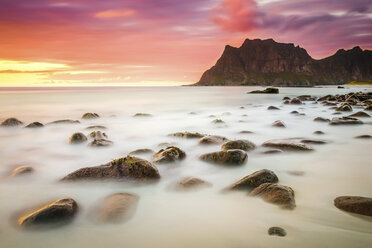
x: 344, y: 107
x: 345, y: 121
x: 77, y: 138
x: 35, y: 124
x: 90, y: 116
x: 288, y: 145
x: 169, y: 155
x: 66, y: 121
x: 118, y: 207
x: 228, y: 157
x: 126, y: 168
x: 100, y: 143
x: 187, y: 135
x: 295, y: 101
x: 142, y: 115
x: 276, y: 231
x: 96, y: 127
x: 218, y: 121
x: 98, y: 135
x: 192, y: 183
x: 360, y: 114
x: 276, y: 194
x: 212, y: 139
x: 141, y: 151
x: 254, y: 180
x: 278, y: 123
x: 11, y: 122
x: 54, y: 213
x: 321, y: 119
x: 244, y: 145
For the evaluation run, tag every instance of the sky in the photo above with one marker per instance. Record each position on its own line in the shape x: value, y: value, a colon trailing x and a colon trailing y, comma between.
x: 160, y: 42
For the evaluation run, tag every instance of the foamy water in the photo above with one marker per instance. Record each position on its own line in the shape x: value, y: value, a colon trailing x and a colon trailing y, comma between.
x: 165, y: 218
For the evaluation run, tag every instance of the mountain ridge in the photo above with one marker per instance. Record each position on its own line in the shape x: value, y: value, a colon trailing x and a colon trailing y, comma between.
x: 267, y: 62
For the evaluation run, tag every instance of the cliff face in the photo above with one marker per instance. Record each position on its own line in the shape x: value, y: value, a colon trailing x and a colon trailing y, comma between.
x: 266, y: 62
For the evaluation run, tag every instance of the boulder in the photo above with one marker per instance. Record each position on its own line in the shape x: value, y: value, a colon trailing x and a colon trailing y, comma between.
x: 318, y: 132
x: 34, y: 125
x: 90, y: 116
x: 354, y: 204
x: 142, y: 115
x: 369, y: 108
x: 273, y: 108
x: 212, y: 139
x: 295, y: 101
x: 77, y: 138
x: 360, y: 114
x: 117, y: 208
x: 313, y: 141
x: 126, y: 168
x: 141, y: 151
x: 321, y: 119
x: 100, y: 143
x: 246, y: 132
x: 187, y: 135
x: 294, y: 112
x: 344, y: 107
x: 286, y: 102
x: 254, y: 180
x: 169, y: 155
x: 345, y: 121
x: 272, y: 151
x: 288, y: 145
x: 265, y: 91
x: 278, y: 124
x: 276, y: 194
x: 218, y: 121
x: 191, y: 183
x: 22, y: 170
x: 67, y: 121
x: 286, y: 98
x: 96, y: 127
x: 11, y: 122
x: 277, y: 231
x: 228, y: 157
x: 364, y: 136
x: 245, y: 145
x: 98, y: 135
x: 54, y: 213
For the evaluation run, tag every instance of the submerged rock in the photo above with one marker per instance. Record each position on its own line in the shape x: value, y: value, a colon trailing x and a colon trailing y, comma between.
x: 287, y: 144
x: 344, y: 107
x: 67, y: 121
x: 354, y: 204
x: 96, y: 127
x: 57, y: 212
x: 360, y: 114
x: 295, y: 101
x: 364, y: 136
x: 294, y: 112
x: 245, y: 145
x: 273, y: 108
x: 118, y: 207
x: 98, y: 135
x: 142, y: 115
x: 100, y: 143
x: 321, y: 119
x: 34, y: 125
x: 278, y: 124
x: 246, y: 132
x: 313, y: 141
x: 169, y: 155
x: 369, y: 108
x: 228, y: 157
x: 218, y: 121
x: 90, y: 116
x: 277, y: 231
x: 318, y: 132
x: 191, y: 183
x: 212, y: 139
x: 276, y: 194
x: 272, y: 151
x: 11, y: 122
x: 187, y: 135
x: 345, y: 121
x: 77, y: 138
x: 22, y: 170
x: 141, y: 151
x: 265, y: 91
x: 254, y: 180
x: 128, y: 167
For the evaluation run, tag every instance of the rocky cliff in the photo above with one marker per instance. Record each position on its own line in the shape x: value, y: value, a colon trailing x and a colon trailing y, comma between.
x: 266, y: 62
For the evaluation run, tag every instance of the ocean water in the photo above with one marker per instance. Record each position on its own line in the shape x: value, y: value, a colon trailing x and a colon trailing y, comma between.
x: 167, y: 218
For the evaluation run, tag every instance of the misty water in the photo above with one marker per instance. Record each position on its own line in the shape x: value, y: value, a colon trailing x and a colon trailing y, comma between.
x: 165, y: 217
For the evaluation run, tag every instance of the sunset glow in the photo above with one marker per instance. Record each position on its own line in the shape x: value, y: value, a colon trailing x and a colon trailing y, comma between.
x: 52, y: 42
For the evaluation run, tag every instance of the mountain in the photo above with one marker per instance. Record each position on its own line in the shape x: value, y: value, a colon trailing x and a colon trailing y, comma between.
x: 266, y: 62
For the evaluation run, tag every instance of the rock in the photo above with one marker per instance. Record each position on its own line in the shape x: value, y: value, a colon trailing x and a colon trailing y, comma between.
x: 130, y: 168
x: 228, y: 157
x: 90, y: 116
x: 278, y: 124
x: 286, y: 102
x: 77, y: 138
x: 340, y: 87
x: 98, y: 135
x: 212, y: 139
x: 141, y: 151
x: 34, y: 125
x: 169, y: 155
x: 286, y: 98
x: 276, y: 194
x: 277, y: 231
x: 265, y: 91
x: 187, y: 135
x: 67, y: 121
x: 318, y: 132
x: 58, y: 212
x: 345, y: 121
x: 294, y: 112
x: 22, y: 170
x: 244, y: 145
x: 118, y: 207
x: 296, y: 173
x: 321, y: 119
x: 142, y: 115
x: 360, y: 114
x: 96, y: 127
x: 368, y: 108
x: 191, y: 183
x: 295, y: 101
x: 287, y: 144
x: 166, y: 144
x: 273, y: 108
x: 254, y: 180
x: 218, y: 121
x: 337, y: 113
x: 344, y: 107
x: 272, y: 151
x: 312, y: 141
x: 354, y: 204
x: 11, y: 122
x: 246, y: 132
x: 306, y: 98
x: 365, y: 136
x: 100, y: 143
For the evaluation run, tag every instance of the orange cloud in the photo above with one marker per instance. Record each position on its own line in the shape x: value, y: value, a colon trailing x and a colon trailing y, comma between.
x: 108, y: 14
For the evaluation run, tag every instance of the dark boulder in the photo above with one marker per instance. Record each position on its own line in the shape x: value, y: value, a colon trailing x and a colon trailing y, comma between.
x: 187, y: 135
x: 364, y: 136
x: 345, y: 121
x: 287, y: 144
x: 354, y: 204
x: 265, y: 91
x: 228, y: 157
x: 77, y: 138
x: 34, y: 125
x: 22, y: 170
x: 90, y: 116
x: 321, y: 119
x: 254, y: 180
x: 67, y: 121
x: 295, y: 101
x: 212, y: 139
x: 169, y: 155
x: 278, y: 123
x: 277, y: 231
x: 273, y: 108
x: 276, y: 194
x: 98, y: 135
x: 11, y: 122
x: 100, y: 143
x: 360, y: 114
x: 245, y: 145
